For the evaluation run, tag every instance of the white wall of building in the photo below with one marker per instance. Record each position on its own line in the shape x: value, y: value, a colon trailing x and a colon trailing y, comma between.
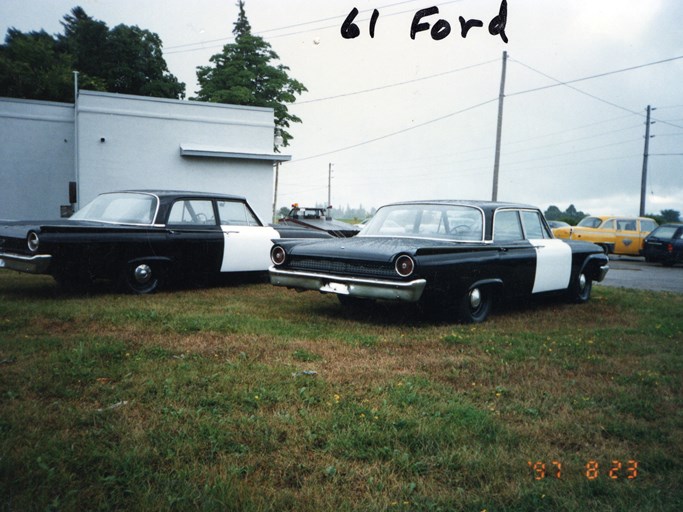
x: 131, y: 142
x: 134, y: 142
x: 36, y: 158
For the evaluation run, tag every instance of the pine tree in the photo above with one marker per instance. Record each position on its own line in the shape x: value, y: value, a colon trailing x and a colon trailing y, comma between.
x: 242, y: 74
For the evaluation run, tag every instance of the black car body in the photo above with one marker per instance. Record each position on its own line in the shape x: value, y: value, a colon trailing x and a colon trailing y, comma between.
x: 664, y: 244
x: 451, y: 255
x: 318, y: 219
x: 143, y: 238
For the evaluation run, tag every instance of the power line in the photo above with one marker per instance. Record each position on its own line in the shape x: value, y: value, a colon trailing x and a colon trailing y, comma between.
x: 395, y: 84
x: 225, y: 40
x: 599, y: 75
x: 386, y: 136
x: 559, y: 82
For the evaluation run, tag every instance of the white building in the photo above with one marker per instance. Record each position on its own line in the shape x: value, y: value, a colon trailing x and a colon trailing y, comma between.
x: 111, y: 142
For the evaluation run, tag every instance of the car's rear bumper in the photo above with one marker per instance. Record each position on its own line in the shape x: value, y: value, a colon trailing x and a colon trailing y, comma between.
x: 37, y: 264
x: 406, y: 291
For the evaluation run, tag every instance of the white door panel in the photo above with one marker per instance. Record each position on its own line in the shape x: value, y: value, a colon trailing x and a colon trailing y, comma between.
x: 553, y: 264
x: 247, y: 248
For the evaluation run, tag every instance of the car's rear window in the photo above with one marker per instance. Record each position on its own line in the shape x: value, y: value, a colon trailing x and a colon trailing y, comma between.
x: 590, y: 222
x: 664, y: 232
x: 451, y: 222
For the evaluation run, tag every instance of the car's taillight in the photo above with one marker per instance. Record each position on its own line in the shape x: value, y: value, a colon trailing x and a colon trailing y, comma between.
x: 278, y: 255
x: 670, y: 247
x: 404, y: 265
x: 33, y: 241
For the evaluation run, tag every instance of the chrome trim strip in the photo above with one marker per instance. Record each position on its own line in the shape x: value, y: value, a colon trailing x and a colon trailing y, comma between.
x: 29, y: 264
x: 410, y: 291
x: 431, y: 239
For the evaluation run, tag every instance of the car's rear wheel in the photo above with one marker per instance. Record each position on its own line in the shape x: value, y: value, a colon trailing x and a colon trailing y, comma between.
x: 142, y: 277
x: 580, y: 290
x: 475, y: 305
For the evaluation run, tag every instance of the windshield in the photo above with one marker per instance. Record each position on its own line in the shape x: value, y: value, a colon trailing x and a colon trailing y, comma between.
x: 590, y: 222
x: 450, y: 222
x: 123, y: 207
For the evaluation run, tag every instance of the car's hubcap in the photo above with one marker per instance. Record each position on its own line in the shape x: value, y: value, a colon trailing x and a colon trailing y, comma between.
x: 475, y: 298
x: 582, y: 282
x: 142, y: 274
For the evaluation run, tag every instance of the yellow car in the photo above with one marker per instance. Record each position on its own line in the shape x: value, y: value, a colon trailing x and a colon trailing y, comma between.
x: 616, y: 235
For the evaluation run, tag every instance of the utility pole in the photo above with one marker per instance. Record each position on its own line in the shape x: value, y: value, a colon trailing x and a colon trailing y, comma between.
x: 643, y: 180
x: 329, y: 185
x: 277, y: 142
x: 277, y: 177
x: 499, y: 129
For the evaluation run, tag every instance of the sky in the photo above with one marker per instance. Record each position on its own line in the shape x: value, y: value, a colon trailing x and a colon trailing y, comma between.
x: 401, y: 118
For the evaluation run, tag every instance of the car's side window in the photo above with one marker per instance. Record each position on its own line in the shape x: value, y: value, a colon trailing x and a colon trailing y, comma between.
x: 236, y: 213
x: 608, y: 224
x: 533, y: 226
x: 506, y: 226
x: 626, y: 225
x: 192, y: 212
x: 647, y: 225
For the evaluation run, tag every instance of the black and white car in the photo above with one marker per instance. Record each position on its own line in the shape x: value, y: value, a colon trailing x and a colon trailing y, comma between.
x: 455, y: 256
x: 142, y: 239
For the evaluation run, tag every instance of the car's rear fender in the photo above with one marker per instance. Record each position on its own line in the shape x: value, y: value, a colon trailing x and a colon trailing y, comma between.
x: 496, y: 283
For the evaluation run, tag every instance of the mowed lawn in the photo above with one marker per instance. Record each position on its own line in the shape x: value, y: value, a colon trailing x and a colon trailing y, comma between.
x: 249, y: 397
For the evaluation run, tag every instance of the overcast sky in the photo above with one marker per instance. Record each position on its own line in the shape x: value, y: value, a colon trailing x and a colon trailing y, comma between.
x: 414, y: 119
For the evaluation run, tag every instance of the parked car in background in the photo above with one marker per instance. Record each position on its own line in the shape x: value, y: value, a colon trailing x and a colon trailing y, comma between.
x: 665, y: 244
x: 142, y: 239
x: 616, y: 235
x: 318, y: 219
x: 451, y: 256
x: 554, y: 224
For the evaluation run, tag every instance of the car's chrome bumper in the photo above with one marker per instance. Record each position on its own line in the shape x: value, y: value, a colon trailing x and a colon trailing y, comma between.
x: 603, y: 272
x: 407, y: 291
x: 30, y: 264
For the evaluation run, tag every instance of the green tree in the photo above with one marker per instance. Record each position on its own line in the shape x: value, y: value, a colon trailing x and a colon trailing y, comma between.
x: 671, y: 215
x: 665, y: 216
x: 32, y: 67
x: 242, y: 74
x: 124, y: 59
x: 552, y: 213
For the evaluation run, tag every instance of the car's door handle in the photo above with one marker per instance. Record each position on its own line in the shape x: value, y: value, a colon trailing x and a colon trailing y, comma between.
x: 502, y: 249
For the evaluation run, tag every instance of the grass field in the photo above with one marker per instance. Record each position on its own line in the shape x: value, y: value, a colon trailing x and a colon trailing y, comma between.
x: 208, y: 400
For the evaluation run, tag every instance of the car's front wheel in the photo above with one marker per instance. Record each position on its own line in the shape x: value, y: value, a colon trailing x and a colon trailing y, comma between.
x: 475, y: 305
x: 142, y: 277
x: 580, y: 289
